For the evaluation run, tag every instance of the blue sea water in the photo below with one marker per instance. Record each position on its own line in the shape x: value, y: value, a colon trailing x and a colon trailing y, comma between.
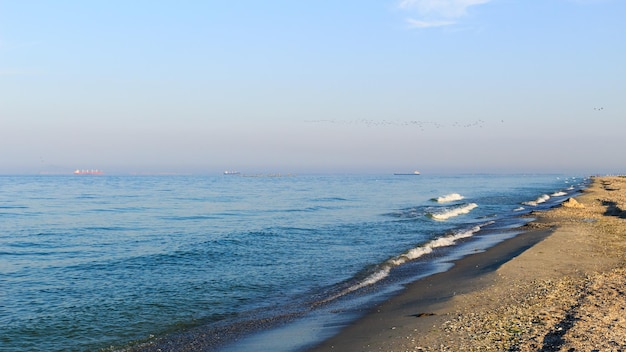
x: 108, y: 262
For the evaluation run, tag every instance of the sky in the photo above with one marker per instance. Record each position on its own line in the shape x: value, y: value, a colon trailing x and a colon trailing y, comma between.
x: 313, y: 86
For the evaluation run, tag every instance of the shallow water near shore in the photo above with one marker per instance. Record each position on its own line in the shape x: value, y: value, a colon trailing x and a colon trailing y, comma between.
x: 90, y: 262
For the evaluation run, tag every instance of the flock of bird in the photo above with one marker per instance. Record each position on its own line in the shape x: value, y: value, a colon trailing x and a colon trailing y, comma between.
x: 420, y: 124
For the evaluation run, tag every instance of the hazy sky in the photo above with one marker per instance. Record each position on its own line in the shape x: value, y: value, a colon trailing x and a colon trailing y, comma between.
x: 313, y: 86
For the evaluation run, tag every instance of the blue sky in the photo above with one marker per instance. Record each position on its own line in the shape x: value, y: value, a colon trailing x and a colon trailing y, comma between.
x: 313, y: 86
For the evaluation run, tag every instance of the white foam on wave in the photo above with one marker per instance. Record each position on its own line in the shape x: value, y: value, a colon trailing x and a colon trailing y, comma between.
x: 558, y: 194
x: 519, y: 209
x: 541, y: 199
x: 412, y: 254
x: 448, y: 198
x: 452, y: 212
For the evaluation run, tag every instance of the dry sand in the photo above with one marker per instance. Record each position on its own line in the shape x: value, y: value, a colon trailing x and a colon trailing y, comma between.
x: 560, y: 286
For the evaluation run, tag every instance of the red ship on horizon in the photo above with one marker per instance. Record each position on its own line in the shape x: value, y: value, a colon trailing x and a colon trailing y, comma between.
x: 88, y: 172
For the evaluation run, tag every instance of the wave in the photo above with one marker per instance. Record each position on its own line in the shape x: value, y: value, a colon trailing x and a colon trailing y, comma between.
x: 408, y: 213
x: 519, y: 209
x: 329, y: 199
x: 448, y: 198
x: 189, y: 218
x: 412, y: 254
x: 452, y: 212
x: 541, y: 199
x: 558, y: 194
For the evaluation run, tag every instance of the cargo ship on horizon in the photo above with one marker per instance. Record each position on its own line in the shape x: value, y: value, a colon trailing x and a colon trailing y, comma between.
x: 414, y: 173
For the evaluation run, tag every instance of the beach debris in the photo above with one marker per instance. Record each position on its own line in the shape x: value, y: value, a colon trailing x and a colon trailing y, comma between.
x: 420, y: 315
x: 572, y: 203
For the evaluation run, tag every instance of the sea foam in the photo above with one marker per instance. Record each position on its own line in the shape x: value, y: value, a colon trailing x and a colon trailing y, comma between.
x: 541, y: 199
x: 412, y: 254
x: 447, y: 213
x: 448, y: 198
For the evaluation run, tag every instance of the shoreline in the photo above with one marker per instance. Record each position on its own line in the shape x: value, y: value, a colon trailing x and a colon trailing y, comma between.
x: 538, y: 290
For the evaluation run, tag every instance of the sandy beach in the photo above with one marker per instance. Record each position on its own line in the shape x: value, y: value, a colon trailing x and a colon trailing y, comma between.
x: 559, y: 286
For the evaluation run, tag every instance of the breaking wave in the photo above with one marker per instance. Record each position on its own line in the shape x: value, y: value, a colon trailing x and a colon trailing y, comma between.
x: 558, y: 194
x: 541, y: 199
x: 448, y: 198
x: 412, y: 254
x: 447, y: 213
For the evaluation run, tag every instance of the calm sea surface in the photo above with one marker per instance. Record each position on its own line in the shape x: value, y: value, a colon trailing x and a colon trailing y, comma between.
x: 90, y: 262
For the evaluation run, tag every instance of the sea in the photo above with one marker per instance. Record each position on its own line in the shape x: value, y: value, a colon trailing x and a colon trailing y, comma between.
x: 235, y: 262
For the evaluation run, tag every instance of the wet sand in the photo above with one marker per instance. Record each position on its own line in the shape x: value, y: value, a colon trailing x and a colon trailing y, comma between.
x: 559, y: 286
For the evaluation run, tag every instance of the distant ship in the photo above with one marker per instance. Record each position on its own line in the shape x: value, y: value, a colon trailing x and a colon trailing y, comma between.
x: 414, y: 173
x: 231, y: 172
x: 88, y: 172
